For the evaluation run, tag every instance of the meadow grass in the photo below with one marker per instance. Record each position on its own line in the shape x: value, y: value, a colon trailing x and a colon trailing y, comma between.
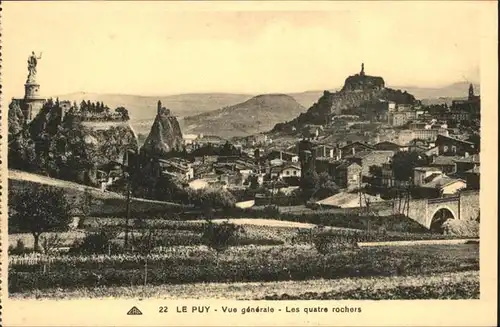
x: 247, y: 264
x: 449, y: 285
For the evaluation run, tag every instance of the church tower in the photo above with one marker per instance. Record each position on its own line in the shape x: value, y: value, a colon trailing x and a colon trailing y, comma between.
x: 471, y: 92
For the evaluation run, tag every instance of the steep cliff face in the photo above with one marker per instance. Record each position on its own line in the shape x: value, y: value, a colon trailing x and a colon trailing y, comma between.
x: 61, y: 146
x: 165, y: 134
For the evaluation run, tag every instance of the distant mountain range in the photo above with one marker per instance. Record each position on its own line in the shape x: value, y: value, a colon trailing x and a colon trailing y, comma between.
x: 142, y: 109
x: 256, y: 115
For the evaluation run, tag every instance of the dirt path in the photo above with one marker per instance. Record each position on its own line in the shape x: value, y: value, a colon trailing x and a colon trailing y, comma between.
x: 260, y: 222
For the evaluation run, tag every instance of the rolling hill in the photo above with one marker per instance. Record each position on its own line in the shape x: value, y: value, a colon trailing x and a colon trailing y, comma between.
x: 256, y: 115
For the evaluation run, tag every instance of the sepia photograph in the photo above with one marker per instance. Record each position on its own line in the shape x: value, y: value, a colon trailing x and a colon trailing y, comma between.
x: 269, y: 154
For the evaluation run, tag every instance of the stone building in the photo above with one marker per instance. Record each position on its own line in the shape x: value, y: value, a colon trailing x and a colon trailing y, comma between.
x: 452, y: 146
x: 348, y: 175
x: 366, y: 159
x: 472, y: 105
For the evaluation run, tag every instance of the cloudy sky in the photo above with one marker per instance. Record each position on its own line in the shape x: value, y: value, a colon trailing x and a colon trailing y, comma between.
x: 158, y: 48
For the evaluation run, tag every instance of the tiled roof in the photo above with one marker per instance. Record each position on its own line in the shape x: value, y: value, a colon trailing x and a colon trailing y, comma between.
x: 427, y: 169
x: 470, y: 159
x: 441, y: 182
x: 475, y: 170
x: 445, y: 160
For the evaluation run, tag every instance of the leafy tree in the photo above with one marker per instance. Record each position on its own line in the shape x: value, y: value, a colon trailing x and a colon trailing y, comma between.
x: 253, y: 182
x: 403, y: 163
x: 326, y: 186
x: 123, y: 112
x: 38, y: 210
x: 376, y: 173
x: 96, y: 242
x: 220, y: 236
x: 308, y: 184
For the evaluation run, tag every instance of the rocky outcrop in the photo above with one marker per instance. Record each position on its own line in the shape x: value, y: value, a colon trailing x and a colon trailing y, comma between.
x: 360, y: 95
x: 165, y: 134
x: 61, y: 146
x: 362, y: 82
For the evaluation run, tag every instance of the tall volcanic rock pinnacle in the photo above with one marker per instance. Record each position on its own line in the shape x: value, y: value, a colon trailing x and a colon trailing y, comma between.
x: 165, y: 134
x: 361, y: 94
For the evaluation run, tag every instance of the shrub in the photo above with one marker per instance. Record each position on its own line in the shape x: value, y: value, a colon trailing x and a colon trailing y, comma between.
x: 220, y: 236
x: 465, y: 228
x: 20, y: 248
x: 51, y: 243
x: 96, y: 243
x: 328, y: 243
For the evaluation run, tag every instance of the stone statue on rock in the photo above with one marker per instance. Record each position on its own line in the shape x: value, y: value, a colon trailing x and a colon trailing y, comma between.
x: 32, y: 63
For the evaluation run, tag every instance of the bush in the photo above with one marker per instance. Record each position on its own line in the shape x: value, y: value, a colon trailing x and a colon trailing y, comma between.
x: 220, y: 236
x: 96, y: 243
x: 328, y: 243
x: 51, y: 243
x: 20, y: 248
x: 464, y: 228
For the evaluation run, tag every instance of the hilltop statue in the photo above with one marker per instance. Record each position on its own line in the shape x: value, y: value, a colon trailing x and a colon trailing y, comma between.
x: 32, y: 63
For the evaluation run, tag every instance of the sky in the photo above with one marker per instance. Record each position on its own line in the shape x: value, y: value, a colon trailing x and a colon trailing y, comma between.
x: 161, y: 48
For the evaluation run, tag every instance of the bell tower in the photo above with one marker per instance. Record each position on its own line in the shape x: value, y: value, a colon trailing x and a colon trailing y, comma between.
x: 471, y: 92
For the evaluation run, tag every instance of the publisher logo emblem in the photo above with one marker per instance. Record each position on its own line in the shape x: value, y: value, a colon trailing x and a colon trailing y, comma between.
x: 134, y: 311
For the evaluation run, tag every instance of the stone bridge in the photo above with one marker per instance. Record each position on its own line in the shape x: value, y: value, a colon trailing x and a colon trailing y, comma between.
x: 435, y: 211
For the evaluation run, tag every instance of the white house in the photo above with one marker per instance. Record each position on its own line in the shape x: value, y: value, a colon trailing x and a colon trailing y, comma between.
x: 198, y: 184
x: 290, y: 171
x: 277, y: 162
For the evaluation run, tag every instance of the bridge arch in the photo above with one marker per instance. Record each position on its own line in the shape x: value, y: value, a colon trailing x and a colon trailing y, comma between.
x: 439, y: 216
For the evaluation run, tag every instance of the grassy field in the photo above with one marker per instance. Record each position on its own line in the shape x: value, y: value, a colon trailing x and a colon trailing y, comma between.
x: 103, y: 203
x: 247, y: 264
x: 457, y: 285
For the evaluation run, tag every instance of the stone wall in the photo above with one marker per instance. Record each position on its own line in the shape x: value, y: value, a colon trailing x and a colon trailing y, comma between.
x: 469, y: 205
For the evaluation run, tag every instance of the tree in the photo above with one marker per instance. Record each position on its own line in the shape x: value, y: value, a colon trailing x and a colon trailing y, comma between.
x: 308, y: 184
x: 325, y: 186
x: 253, y: 181
x: 220, y: 236
x: 376, y: 173
x: 123, y: 112
x: 403, y: 163
x: 38, y: 210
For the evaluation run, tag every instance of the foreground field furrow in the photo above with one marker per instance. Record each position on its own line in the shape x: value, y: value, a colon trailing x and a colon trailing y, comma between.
x: 464, y: 285
x: 262, y: 264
